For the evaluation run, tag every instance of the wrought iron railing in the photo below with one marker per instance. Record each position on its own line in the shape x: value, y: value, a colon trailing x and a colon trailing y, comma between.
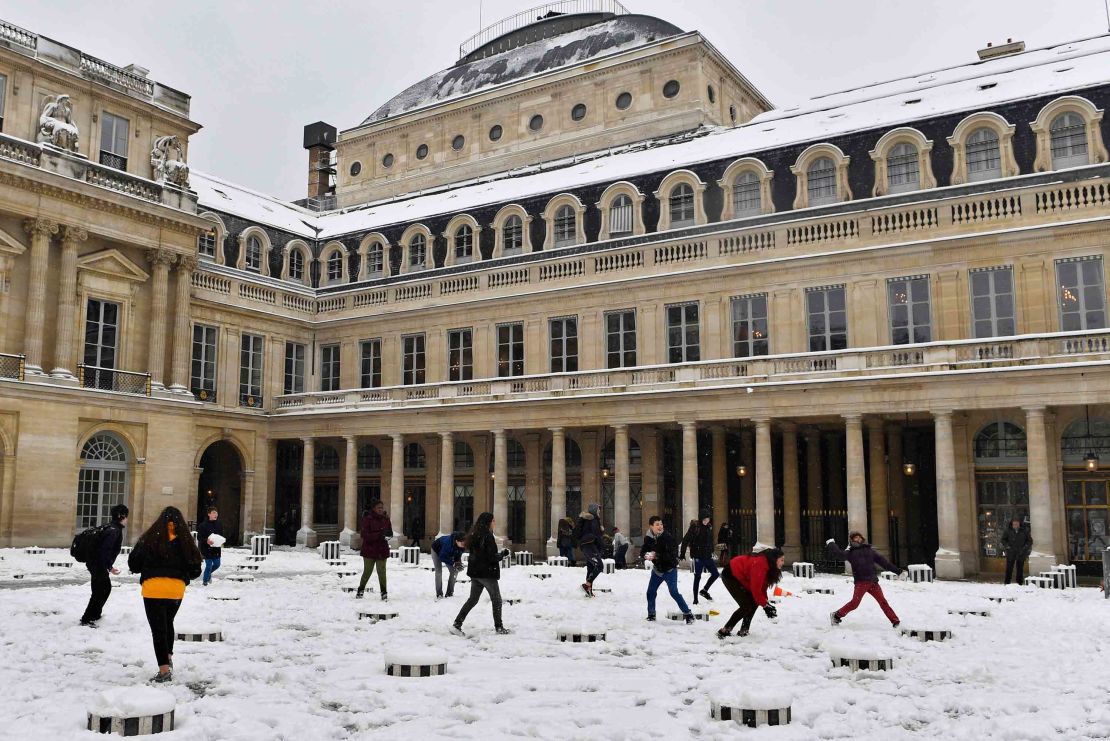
x: 250, y: 400
x: 817, y: 527
x: 111, y: 379
x: 207, y: 395
x: 530, y: 16
x: 12, y: 366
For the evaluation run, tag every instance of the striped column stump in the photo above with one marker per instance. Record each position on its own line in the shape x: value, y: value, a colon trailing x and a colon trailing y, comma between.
x: 819, y: 590
x: 507, y: 561
x: 577, y: 636
x: 1038, y: 581
x: 698, y: 615
x: 603, y: 590
x: 920, y: 572
x: 336, y: 562
x: 921, y: 634
x: 59, y: 564
x: 240, y: 577
x: 376, y: 614
x: 410, y: 555
x: 353, y: 588
x: 224, y: 597
x: 966, y: 611
x: 346, y: 573
x: 255, y: 559
x: 329, y: 549
x: 125, y: 550
x: 35, y: 551
x: 557, y: 561
x: 609, y: 565
x: 196, y: 536
x: 1056, y: 577
x: 248, y: 567
x: 260, y: 545
x: 1001, y: 599
x: 17, y: 576
x: 540, y: 575
x: 422, y: 663
x: 512, y: 601
x: 210, y: 635
x: 523, y: 558
x: 888, y: 576
x: 1068, y: 571
x: 803, y: 569
x: 131, y: 711
x: 751, y: 717
x: 864, y: 665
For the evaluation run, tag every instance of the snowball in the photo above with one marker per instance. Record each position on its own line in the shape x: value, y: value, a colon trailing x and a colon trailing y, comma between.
x: 129, y: 702
x: 216, y: 541
x: 415, y: 656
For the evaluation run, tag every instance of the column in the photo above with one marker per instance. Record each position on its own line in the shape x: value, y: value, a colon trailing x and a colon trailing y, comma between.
x: 246, y: 506
x: 791, y: 496
x: 397, y: 489
x: 856, y: 478
x: 896, y: 485
x: 186, y: 264
x: 41, y: 230
x: 446, y: 482
x: 349, y: 535
x: 306, y: 536
x: 1043, y: 555
x: 160, y: 265
x: 948, y: 562
x: 814, y: 500
x: 747, y: 457
x: 880, y: 525
x: 764, y: 484
x: 500, y: 485
x: 67, y: 303
x: 558, y: 486
x: 689, y: 475
x: 720, y: 477
x: 621, y: 509
x: 7, y: 498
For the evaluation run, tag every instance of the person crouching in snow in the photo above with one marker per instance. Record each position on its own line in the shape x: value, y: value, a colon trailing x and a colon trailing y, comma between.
x: 747, y: 579
x: 447, y: 551
x: 484, y: 569
x: 661, y: 550
x: 863, y: 559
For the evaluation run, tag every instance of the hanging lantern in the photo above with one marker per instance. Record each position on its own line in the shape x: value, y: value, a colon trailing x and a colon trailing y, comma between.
x: 605, y: 472
x: 741, y: 470
x: 1091, y: 461
x: 909, y: 468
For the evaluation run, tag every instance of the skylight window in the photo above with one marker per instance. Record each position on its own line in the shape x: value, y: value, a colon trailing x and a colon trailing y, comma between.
x: 911, y: 101
x: 1064, y: 69
x: 988, y: 85
x: 225, y: 195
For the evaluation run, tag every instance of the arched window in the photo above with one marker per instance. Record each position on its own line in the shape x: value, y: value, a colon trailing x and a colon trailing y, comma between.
x: 1068, y: 140
x: 326, y: 459
x: 514, y: 454
x: 464, y: 455
x: 296, y: 265
x: 335, y: 266
x: 746, y: 198
x: 620, y: 216
x: 984, y: 158
x: 821, y: 181
x: 418, y: 249
x: 102, y: 481
x: 369, y: 458
x: 414, y: 456
x: 374, y: 259
x: 512, y: 235
x: 903, y: 168
x: 1000, y: 442
x: 464, y: 243
x: 681, y: 203
x: 564, y: 226
x: 252, y: 260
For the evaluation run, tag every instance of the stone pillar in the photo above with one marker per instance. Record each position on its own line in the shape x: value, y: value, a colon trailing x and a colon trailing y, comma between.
x: 558, y: 486
x: 621, y: 509
x: 501, y: 484
x: 306, y: 536
x: 856, y: 478
x: 949, y: 565
x: 720, y: 477
x: 246, y: 506
x: 67, y: 303
x: 814, y: 500
x: 349, y: 536
x: 160, y: 265
x: 41, y: 230
x: 1043, y: 555
x: 764, y: 484
x: 791, y: 496
x: 689, y: 475
x: 880, y: 511
x: 7, y: 498
x: 446, y: 482
x: 397, y: 489
x: 186, y: 264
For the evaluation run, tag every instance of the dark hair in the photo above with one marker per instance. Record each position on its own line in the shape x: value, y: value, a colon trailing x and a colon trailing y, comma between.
x: 854, y: 533
x: 654, y: 519
x: 479, y: 529
x: 119, y: 512
x: 156, y: 539
x: 373, y: 503
x: 774, y: 573
x: 210, y: 510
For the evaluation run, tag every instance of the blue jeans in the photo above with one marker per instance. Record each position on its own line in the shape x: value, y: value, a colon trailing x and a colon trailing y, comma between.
x: 210, y: 565
x: 671, y: 577
x: 567, y: 552
x: 708, y: 565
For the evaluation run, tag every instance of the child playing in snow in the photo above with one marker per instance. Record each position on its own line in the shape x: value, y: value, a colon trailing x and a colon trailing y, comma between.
x: 862, y: 559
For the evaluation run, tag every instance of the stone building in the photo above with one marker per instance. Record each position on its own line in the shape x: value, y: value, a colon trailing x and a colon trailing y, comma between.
x: 589, y: 262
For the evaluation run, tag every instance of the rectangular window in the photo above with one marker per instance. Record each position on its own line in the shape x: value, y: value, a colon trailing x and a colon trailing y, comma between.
x: 620, y: 217
x: 412, y: 359
x: 101, y: 338
x: 828, y: 318
x: 206, y: 244
x: 908, y: 300
x: 683, y: 333
x: 370, y: 370
x: 460, y: 354
x: 564, y: 344
x: 1082, y: 295
x: 514, y: 235
x: 992, y: 302
x: 620, y: 339
x: 203, y: 376
x: 750, y: 335
x: 294, y: 368
x: 329, y: 368
x: 3, y: 98
x: 250, y: 371
x: 113, y: 140
x: 747, y: 200
x: 510, y: 349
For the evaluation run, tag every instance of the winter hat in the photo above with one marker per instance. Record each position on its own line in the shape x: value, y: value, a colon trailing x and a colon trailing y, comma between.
x: 485, y: 519
x: 854, y: 533
x: 594, y: 509
x: 760, y: 547
x: 705, y: 512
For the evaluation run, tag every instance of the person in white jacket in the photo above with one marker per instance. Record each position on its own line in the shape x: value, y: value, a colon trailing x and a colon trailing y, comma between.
x: 620, y: 547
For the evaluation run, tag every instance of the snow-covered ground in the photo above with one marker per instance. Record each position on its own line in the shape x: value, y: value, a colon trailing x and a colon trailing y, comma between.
x: 296, y: 662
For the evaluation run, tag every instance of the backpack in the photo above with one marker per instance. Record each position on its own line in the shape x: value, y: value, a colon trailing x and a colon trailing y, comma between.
x: 86, y: 542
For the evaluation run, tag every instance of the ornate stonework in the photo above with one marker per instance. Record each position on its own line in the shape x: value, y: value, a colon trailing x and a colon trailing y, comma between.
x: 168, y: 160
x: 56, y: 125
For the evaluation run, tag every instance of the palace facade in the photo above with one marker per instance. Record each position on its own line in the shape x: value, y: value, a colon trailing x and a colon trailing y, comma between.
x: 588, y: 262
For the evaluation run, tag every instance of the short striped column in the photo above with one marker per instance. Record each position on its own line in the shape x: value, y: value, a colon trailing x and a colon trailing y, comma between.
x: 131, y: 711
x: 920, y: 572
x: 803, y: 569
x: 415, y: 663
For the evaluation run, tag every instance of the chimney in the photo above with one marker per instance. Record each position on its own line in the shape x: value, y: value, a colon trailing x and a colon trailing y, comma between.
x: 136, y: 70
x: 990, y: 51
x: 319, y: 140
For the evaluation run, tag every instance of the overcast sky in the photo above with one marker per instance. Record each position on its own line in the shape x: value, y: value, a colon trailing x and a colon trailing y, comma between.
x: 259, y: 71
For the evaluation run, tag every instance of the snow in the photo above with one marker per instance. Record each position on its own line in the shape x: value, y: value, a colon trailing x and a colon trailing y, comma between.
x: 297, y: 662
x: 415, y: 657
x: 131, y: 702
x: 773, y: 693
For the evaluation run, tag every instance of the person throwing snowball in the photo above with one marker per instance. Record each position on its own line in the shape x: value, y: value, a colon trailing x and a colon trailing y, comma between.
x: 863, y: 559
x: 747, y: 579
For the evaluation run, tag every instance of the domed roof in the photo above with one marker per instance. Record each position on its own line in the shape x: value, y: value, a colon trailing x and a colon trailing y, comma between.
x: 618, y: 33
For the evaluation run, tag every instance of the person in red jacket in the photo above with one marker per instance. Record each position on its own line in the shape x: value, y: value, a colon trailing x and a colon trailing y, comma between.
x: 376, y: 529
x: 747, y: 579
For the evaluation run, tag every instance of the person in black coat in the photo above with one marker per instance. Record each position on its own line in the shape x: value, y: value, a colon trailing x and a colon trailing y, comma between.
x: 591, y: 540
x: 724, y: 538
x: 102, y: 562
x: 699, y: 539
x: 661, y: 550
x: 565, y: 541
x: 211, y: 553
x: 1017, y: 543
x: 416, y: 531
x: 484, y: 570
x: 863, y: 559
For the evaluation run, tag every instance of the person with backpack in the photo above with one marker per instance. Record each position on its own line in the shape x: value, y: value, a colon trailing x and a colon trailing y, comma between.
x: 747, y: 579
x: 376, y: 530
x: 565, y: 541
x: 484, y: 569
x: 166, y: 559
x: 863, y: 559
x: 661, y: 551
x: 210, y: 547
x: 588, y: 533
x: 447, y: 551
x: 699, y: 539
x: 98, y: 548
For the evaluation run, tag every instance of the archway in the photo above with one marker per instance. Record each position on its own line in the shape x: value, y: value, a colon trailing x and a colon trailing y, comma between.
x: 221, y: 485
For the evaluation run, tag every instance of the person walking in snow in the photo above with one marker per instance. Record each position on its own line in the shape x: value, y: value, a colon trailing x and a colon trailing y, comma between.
x: 661, y: 551
x: 1017, y: 543
x: 620, y: 548
x: 484, y: 569
x: 211, y: 552
x: 101, y: 562
x: 416, y: 531
x: 447, y: 551
x: 376, y: 530
x: 747, y: 579
x: 565, y: 541
x: 699, y: 539
x: 863, y: 559
x: 166, y: 559
x: 590, y: 541
x: 724, y: 539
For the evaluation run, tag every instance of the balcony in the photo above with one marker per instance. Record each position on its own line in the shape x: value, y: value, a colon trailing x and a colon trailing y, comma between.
x: 922, y: 360
x: 111, y: 379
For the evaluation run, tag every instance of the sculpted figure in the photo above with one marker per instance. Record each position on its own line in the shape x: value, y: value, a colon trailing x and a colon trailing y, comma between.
x: 168, y: 160
x: 56, y: 125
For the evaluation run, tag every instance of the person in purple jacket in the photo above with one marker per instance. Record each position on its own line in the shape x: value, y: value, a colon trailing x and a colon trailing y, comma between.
x: 863, y: 559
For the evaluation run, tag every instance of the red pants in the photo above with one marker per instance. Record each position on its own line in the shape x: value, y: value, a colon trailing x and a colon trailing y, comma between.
x: 872, y: 588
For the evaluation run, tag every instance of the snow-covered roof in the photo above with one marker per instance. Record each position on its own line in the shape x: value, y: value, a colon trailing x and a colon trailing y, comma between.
x: 1056, y: 69
x: 219, y: 195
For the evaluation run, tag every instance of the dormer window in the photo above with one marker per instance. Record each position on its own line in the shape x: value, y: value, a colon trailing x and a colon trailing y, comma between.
x: 620, y: 217
x: 252, y: 260
x: 464, y: 243
x: 296, y: 265
x: 564, y: 226
x: 681, y: 203
x: 418, y: 248
x: 1068, y: 141
x: 335, y: 266
x: 821, y: 181
x: 903, y: 168
x: 513, y: 235
x: 984, y: 158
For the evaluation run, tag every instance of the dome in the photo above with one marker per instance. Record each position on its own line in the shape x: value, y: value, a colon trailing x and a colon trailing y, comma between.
x: 616, y: 33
